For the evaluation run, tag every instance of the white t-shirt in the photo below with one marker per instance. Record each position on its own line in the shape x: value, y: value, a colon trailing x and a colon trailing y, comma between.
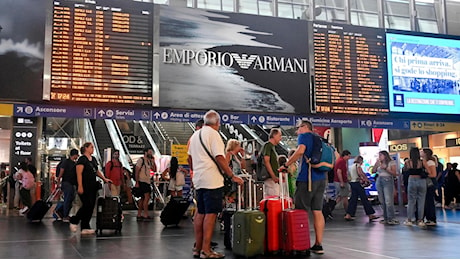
x: 353, y: 172
x: 383, y: 172
x: 206, y: 175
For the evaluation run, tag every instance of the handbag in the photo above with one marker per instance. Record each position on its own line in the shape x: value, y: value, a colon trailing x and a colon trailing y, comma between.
x: 180, y: 179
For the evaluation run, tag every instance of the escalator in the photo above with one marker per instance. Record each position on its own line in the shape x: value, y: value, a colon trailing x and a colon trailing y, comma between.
x: 102, y: 136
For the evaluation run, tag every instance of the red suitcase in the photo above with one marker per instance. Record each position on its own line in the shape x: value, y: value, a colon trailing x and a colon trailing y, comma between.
x: 294, y: 231
x: 272, y: 208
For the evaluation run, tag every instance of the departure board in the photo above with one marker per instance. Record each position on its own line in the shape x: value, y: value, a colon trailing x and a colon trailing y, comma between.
x: 349, y: 70
x: 102, y: 52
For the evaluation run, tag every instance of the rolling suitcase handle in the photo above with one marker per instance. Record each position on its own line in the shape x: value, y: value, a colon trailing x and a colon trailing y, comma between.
x: 284, y: 189
x: 251, y: 196
x: 53, y: 194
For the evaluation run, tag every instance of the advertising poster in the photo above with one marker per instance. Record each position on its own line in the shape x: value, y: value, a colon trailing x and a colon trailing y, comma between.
x: 22, y: 37
x: 232, y: 61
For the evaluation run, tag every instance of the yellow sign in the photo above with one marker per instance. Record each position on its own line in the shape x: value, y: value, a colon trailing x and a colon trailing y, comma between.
x: 6, y: 110
x: 434, y: 126
x: 180, y: 151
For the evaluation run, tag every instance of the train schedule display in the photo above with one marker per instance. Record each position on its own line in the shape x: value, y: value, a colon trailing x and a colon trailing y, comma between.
x: 101, y: 52
x: 349, y: 70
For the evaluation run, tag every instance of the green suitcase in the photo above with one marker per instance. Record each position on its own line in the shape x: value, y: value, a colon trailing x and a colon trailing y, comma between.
x: 248, y: 231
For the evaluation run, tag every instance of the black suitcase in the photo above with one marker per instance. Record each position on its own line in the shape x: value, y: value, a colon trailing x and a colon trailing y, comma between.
x: 40, y: 208
x: 109, y: 214
x: 328, y: 207
x: 228, y: 226
x: 174, y: 211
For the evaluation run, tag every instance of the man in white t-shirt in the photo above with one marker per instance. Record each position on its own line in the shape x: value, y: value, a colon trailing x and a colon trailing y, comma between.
x: 206, y: 156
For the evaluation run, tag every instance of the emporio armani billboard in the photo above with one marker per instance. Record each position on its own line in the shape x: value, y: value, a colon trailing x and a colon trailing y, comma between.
x: 230, y: 61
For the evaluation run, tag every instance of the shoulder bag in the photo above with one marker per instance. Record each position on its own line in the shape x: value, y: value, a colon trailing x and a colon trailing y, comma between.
x: 227, y: 181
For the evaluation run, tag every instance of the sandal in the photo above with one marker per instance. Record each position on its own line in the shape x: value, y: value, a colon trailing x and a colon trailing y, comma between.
x: 196, y: 253
x: 211, y: 255
x: 372, y: 218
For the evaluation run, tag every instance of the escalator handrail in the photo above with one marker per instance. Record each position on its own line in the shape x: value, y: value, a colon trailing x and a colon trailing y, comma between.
x: 150, y: 139
x: 117, y: 140
x: 157, y: 129
x: 92, y: 138
x: 252, y: 134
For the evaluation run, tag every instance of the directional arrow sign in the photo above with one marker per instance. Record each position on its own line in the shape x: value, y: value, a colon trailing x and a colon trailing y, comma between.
x: 101, y: 113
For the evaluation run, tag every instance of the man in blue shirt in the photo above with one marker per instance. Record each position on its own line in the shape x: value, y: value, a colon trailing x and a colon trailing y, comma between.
x: 309, y: 200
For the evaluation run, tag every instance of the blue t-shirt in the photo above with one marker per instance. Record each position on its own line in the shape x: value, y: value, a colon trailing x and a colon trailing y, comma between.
x: 307, y: 140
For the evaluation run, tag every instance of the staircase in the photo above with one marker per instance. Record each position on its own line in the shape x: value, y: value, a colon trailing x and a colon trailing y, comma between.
x: 178, y: 132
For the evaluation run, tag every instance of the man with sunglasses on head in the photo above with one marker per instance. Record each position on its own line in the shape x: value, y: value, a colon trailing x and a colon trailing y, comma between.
x: 311, y: 201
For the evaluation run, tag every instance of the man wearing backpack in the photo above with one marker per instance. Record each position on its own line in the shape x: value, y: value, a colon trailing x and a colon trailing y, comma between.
x: 68, y: 179
x: 306, y: 198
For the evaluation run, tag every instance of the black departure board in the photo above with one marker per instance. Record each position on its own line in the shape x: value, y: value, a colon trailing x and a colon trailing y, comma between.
x: 102, y: 52
x: 350, y: 69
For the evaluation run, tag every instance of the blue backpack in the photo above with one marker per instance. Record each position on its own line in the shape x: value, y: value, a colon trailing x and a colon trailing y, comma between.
x: 323, y: 154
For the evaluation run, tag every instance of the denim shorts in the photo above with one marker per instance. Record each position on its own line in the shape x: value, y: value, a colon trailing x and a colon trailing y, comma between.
x: 209, y: 201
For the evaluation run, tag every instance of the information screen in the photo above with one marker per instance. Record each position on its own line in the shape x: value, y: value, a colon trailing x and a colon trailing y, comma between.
x: 350, y: 70
x: 102, y: 52
x: 423, y: 73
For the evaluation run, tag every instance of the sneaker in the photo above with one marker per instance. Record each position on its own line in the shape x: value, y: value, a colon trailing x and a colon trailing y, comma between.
x: 421, y: 224
x: 66, y: 220
x: 88, y: 232
x: 23, y: 210
x: 430, y: 223
x: 393, y: 222
x: 73, y: 227
x: 383, y: 221
x: 408, y: 223
x: 317, y: 249
x: 211, y: 255
x: 438, y: 205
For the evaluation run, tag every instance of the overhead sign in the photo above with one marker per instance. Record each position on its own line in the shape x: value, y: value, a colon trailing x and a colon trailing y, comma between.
x: 434, y: 126
x: 232, y: 118
x: 271, y: 119
x: 329, y: 122
x: 176, y: 115
x: 384, y: 123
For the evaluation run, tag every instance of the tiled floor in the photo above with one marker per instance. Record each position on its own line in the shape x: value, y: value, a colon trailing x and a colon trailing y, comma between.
x: 342, y: 239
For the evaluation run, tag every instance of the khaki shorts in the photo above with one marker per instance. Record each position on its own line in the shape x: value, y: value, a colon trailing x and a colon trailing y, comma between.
x: 344, y: 191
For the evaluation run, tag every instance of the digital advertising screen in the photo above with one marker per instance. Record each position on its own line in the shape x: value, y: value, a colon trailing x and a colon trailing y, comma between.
x: 101, y: 52
x: 350, y: 70
x: 423, y: 74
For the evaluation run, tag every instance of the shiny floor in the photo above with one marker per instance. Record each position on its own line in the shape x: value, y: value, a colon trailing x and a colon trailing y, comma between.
x: 342, y: 239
